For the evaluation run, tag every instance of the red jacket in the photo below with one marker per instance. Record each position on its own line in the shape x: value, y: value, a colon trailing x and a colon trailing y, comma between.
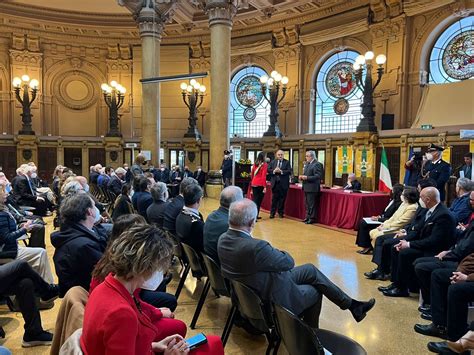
x: 259, y: 177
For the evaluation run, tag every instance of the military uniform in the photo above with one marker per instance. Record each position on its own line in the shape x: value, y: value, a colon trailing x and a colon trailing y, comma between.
x: 439, y: 171
x: 189, y: 228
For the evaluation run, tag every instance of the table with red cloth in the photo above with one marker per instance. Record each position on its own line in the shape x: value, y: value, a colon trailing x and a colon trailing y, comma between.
x: 336, y: 207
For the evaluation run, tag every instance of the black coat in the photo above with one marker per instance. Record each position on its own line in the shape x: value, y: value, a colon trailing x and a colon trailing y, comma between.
x: 200, y: 177
x: 144, y: 200
x: 23, y: 191
x: 172, y: 211
x: 9, y: 233
x: 187, y: 173
x: 115, y: 185
x: 122, y: 206
x: 439, y: 172
x: 226, y: 168
x: 162, y: 176
x: 155, y: 213
x: 78, y: 249
x: 189, y: 229
x: 282, y: 178
x: 315, y: 172
x: 464, y: 246
x: 175, y: 175
x: 390, y: 211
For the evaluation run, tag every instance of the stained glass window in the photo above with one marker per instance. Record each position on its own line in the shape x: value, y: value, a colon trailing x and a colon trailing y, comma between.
x: 452, y: 56
x: 338, y: 99
x: 248, y: 111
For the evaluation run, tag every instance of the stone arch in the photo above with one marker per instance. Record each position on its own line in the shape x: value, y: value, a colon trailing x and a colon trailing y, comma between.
x: 5, y: 94
x: 241, y: 61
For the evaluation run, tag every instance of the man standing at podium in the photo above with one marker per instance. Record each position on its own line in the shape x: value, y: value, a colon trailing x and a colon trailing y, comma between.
x: 313, y: 172
x: 279, y: 170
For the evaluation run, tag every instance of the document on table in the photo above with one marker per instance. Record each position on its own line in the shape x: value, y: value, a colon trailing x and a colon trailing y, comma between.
x: 369, y: 220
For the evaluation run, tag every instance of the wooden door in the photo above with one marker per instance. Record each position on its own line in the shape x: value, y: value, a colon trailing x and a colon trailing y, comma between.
x: 47, y: 161
x: 8, y: 163
x: 73, y: 159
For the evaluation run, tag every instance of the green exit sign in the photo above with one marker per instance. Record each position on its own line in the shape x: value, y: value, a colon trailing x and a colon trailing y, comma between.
x: 426, y: 126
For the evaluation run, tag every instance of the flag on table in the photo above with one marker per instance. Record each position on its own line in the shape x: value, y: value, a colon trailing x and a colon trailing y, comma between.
x: 385, y: 182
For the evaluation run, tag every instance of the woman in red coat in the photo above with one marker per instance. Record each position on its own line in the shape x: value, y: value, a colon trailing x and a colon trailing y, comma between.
x: 259, y: 181
x: 115, y: 320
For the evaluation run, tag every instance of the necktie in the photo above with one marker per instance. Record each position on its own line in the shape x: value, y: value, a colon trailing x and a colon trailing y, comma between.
x: 279, y: 164
x: 31, y: 187
x: 428, y: 215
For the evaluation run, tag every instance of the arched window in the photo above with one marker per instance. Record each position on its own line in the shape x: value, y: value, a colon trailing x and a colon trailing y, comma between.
x: 338, y: 99
x: 248, y: 111
x: 452, y: 56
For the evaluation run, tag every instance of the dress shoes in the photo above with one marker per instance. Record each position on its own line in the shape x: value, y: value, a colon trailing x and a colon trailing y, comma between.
x: 368, y: 273
x: 304, y: 220
x: 359, y: 309
x: 424, y: 309
x: 365, y: 251
x: 309, y: 222
x: 281, y: 216
x: 374, y: 275
x: 441, y: 347
x: 426, y: 316
x: 272, y: 216
x: 387, y: 288
x: 431, y: 330
x: 396, y: 292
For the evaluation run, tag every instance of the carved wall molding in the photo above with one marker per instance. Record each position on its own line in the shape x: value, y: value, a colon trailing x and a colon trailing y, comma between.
x: 26, y: 57
x: 336, y: 32
x: 238, y: 63
x: 89, y: 89
x: 389, y: 29
x: 119, y: 65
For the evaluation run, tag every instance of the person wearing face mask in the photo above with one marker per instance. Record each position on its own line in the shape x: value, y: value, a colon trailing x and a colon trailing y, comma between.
x: 78, y: 244
x: 162, y: 174
x: 116, y: 181
x: 25, y: 192
x: 187, y: 172
x: 116, y: 320
x: 226, y: 168
x: 200, y: 176
x: 460, y: 207
x: 436, y: 168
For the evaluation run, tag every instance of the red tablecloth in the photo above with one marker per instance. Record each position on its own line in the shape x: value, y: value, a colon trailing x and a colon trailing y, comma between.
x: 336, y: 207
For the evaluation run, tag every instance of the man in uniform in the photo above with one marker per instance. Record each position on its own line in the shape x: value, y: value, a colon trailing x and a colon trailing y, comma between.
x: 436, y: 168
x: 227, y: 168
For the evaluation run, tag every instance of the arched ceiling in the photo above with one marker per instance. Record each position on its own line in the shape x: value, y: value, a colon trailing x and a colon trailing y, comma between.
x: 91, y: 6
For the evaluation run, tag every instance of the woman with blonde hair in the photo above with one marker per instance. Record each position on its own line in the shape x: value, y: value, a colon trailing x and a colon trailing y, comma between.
x: 115, y: 320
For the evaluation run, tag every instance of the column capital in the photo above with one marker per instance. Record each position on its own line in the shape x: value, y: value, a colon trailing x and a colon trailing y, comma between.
x: 150, y: 15
x: 222, y: 12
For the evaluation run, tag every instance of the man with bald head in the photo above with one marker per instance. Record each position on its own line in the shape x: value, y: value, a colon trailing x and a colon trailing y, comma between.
x: 272, y: 273
x: 436, y: 234
x: 217, y: 222
x: 279, y: 170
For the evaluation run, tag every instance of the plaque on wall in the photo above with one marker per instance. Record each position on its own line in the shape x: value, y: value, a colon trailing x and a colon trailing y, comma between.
x: 341, y: 106
x: 250, y: 114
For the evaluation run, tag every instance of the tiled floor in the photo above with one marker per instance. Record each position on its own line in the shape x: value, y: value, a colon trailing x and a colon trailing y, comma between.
x: 388, y: 328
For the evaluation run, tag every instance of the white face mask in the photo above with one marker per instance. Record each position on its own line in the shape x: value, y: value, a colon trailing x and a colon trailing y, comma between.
x: 96, y: 215
x: 162, y: 169
x: 34, y: 176
x: 199, y: 169
x: 86, y: 188
x: 429, y: 156
x: 153, y: 282
x: 422, y: 203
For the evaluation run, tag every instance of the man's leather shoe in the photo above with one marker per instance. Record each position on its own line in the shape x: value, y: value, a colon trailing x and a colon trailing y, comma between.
x: 431, y: 330
x: 373, y: 274
x: 368, y: 273
x: 387, y: 288
x: 308, y: 222
x: 396, y: 292
x: 304, y: 220
x: 424, y: 309
x: 272, y: 216
x: 281, y: 216
x: 360, y: 310
x: 441, y: 347
x: 426, y: 316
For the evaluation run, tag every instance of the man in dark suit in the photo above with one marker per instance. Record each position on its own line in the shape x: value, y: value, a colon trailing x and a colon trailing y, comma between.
x: 217, y: 222
x: 187, y: 172
x: 155, y: 213
x: 436, y: 235
x: 353, y: 183
x: 272, y: 273
x: 200, y: 176
x: 279, y: 171
x: 226, y: 168
x: 313, y: 172
x: 24, y: 191
x: 116, y: 181
x: 190, y: 223
x: 466, y: 169
x: 162, y: 174
x: 436, y: 168
x: 175, y: 206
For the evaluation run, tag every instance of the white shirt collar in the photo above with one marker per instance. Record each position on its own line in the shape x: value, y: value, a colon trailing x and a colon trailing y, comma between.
x: 192, y: 210
x: 241, y: 231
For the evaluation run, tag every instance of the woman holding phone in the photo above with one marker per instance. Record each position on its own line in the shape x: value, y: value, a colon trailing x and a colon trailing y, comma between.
x: 115, y: 320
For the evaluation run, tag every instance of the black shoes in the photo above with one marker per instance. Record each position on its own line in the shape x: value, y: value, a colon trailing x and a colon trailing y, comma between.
x: 272, y: 216
x: 441, y: 347
x: 308, y: 221
x: 376, y: 275
x: 431, y: 330
x: 424, y: 309
x: 359, y: 309
x: 281, y: 216
x: 426, y: 316
x: 50, y: 294
x: 44, y: 338
x: 259, y: 217
x: 396, y: 292
x: 365, y: 251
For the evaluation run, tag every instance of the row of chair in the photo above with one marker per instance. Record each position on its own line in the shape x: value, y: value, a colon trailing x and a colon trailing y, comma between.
x: 276, y: 322
x: 104, y: 196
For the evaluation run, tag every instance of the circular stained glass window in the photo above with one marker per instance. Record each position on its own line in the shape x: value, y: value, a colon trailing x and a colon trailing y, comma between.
x: 340, y: 80
x: 249, y: 92
x: 458, y: 57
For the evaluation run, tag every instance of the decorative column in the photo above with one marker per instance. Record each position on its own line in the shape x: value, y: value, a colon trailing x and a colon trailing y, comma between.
x: 221, y: 13
x: 151, y: 16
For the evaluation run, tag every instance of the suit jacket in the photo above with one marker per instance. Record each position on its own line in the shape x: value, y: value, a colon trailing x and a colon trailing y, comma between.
x: 143, y: 202
x: 175, y: 174
x: 282, y: 178
x: 155, y: 213
x: 115, y: 185
x: 315, y: 172
x: 187, y: 173
x: 390, y: 210
x: 263, y: 268
x: 439, y: 172
x: 200, y: 177
x: 189, y: 229
x: 355, y: 185
x: 216, y: 224
x: 464, y: 246
x: 461, y: 208
x: 436, y: 233
x: 23, y: 190
x: 163, y: 176
x: 174, y: 207
x: 467, y: 170
x: 93, y: 177
x: 402, y: 216
x: 226, y: 168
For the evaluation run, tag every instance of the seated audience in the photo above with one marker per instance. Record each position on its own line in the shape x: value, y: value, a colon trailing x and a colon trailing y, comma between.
x: 78, y: 244
x: 190, y: 223
x: 94, y: 174
x: 272, y: 273
x: 25, y: 192
x: 141, y: 199
x: 156, y: 211
x: 363, y: 237
x: 104, y: 179
x: 460, y: 207
x: 451, y: 293
x: 116, y: 181
x: 466, y: 169
x: 5, y: 183
x: 217, y: 222
x: 175, y: 206
x: 115, y: 320
x: 200, y: 176
x: 123, y: 204
x: 19, y: 279
x: 353, y: 183
x: 436, y: 235
x: 401, y: 217
x: 9, y: 248
x: 58, y: 171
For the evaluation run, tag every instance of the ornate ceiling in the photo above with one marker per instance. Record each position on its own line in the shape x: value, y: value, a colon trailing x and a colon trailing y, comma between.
x: 189, y: 20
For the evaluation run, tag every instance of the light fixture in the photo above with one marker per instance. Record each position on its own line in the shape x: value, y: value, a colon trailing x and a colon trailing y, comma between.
x: 30, y: 90
x: 193, y: 95
x: 271, y: 88
x: 285, y: 80
x: 381, y: 59
x: 25, y: 78
x: 114, y: 95
x: 263, y: 79
x: 369, y: 55
x: 183, y: 86
x: 360, y: 59
x: 193, y: 82
x: 16, y: 82
x: 273, y: 74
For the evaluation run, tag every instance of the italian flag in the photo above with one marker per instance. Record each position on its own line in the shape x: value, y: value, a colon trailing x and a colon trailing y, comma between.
x: 385, y: 182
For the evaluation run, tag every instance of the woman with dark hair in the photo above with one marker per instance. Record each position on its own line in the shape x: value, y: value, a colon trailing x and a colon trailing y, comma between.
x: 363, y: 237
x: 259, y: 181
x: 116, y: 320
x: 122, y: 204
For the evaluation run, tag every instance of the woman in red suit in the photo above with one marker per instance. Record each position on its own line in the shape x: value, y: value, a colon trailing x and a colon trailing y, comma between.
x: 259, y: 181
x: 115, y: 320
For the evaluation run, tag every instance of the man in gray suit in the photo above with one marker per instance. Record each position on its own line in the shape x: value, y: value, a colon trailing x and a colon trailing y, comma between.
x: 272, y: 273
x: 313, y: 172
